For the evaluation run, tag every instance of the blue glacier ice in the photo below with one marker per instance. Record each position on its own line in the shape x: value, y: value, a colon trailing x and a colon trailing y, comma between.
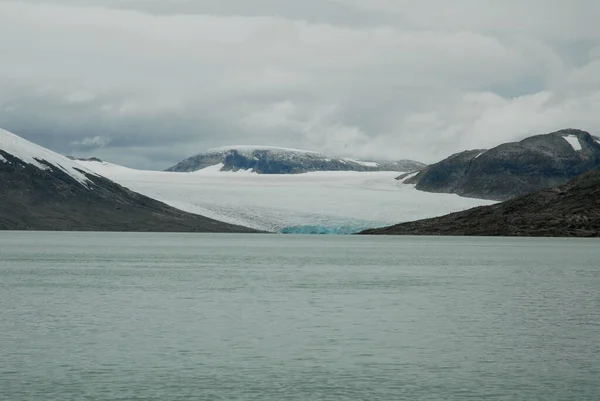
x: 338, y: 230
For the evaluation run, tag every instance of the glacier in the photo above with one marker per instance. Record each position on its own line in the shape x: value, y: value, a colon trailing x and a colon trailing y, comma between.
x: 282, y: 201
x: 339, y: 230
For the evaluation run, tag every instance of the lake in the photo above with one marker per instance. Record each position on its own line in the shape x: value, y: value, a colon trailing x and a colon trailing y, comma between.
x: 115, y: 316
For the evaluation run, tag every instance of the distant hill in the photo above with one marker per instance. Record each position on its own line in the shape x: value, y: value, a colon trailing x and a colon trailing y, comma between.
x: 512, y: 169
x: 273, y: 160
x: 42, y: 190
x: 570, y: 210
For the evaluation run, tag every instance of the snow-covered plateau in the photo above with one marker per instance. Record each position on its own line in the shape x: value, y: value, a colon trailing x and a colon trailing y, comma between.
x: 275, y: 160
x: 288, y: 202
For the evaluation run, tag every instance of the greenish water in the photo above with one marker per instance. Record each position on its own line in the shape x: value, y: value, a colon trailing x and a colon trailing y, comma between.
x: 104, y: 316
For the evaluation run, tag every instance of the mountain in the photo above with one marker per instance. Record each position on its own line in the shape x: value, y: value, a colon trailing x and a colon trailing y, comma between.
x: 273, y: 160
x: 512, y: 169
x: 42, y: 190
x: 570, y: 210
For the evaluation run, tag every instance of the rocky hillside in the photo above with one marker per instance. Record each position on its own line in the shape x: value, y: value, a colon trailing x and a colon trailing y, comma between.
x: 512, y: 169
x: 271, y: 160
x: 41, y: 190
x: 570, y: 210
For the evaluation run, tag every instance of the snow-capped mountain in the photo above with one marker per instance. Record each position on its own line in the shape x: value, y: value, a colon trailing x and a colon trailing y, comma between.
x: 327, y: 202
x: 17, y: 151
x: 42, y: 190
x: 274, y: 160
x: 512, y: 169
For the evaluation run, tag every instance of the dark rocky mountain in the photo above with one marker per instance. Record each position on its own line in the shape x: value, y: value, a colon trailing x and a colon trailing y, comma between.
x: 85, y: 159
x: 570, y: 210
x: 512, y: 169
x: 41, y: 190
x: 271, y: 160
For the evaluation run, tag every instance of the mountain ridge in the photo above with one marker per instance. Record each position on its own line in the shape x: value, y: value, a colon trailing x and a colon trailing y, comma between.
x: 277, y: 160
x: 514, y: 168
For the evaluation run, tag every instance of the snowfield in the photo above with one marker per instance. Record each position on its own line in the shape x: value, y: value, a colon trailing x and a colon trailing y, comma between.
x: 274, y: 202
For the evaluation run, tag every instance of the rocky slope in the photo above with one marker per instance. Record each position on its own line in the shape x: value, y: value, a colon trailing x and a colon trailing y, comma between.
x: 271, y: 160
x: 41, y: 190
x: 512, y: 169
x: 570, y: 210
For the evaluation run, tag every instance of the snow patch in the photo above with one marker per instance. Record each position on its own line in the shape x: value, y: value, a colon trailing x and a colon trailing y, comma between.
x: 210, y: 169
x: 3, y: 160
x: 409, y: 176
x: 289, y: 201
x: 368, y: 164
x: 35, y: 155
x: 573, y: 141
x: 479, y: 154
x: 216, y: 169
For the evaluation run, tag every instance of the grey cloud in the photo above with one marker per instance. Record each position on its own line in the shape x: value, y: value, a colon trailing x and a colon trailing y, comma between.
x: 145, y: 85
x: 313, y: 11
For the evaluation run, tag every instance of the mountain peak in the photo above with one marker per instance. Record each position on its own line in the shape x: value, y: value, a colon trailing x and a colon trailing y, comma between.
x: 514, y: 168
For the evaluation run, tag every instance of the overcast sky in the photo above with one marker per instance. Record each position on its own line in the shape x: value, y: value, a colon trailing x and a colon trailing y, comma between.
x: 146, y: 83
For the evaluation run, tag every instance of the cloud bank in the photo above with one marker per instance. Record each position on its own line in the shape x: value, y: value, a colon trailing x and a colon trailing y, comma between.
x: 147, y: 83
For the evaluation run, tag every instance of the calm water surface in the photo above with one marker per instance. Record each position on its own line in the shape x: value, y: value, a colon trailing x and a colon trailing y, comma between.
x: 101, y: 316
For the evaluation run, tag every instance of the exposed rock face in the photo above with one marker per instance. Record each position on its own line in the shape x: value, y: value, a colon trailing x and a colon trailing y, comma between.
x: 269, y: 160
x: 85, y: 159
x: 41, y: 190
x: 513, y: 169
x: 570, y: 210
